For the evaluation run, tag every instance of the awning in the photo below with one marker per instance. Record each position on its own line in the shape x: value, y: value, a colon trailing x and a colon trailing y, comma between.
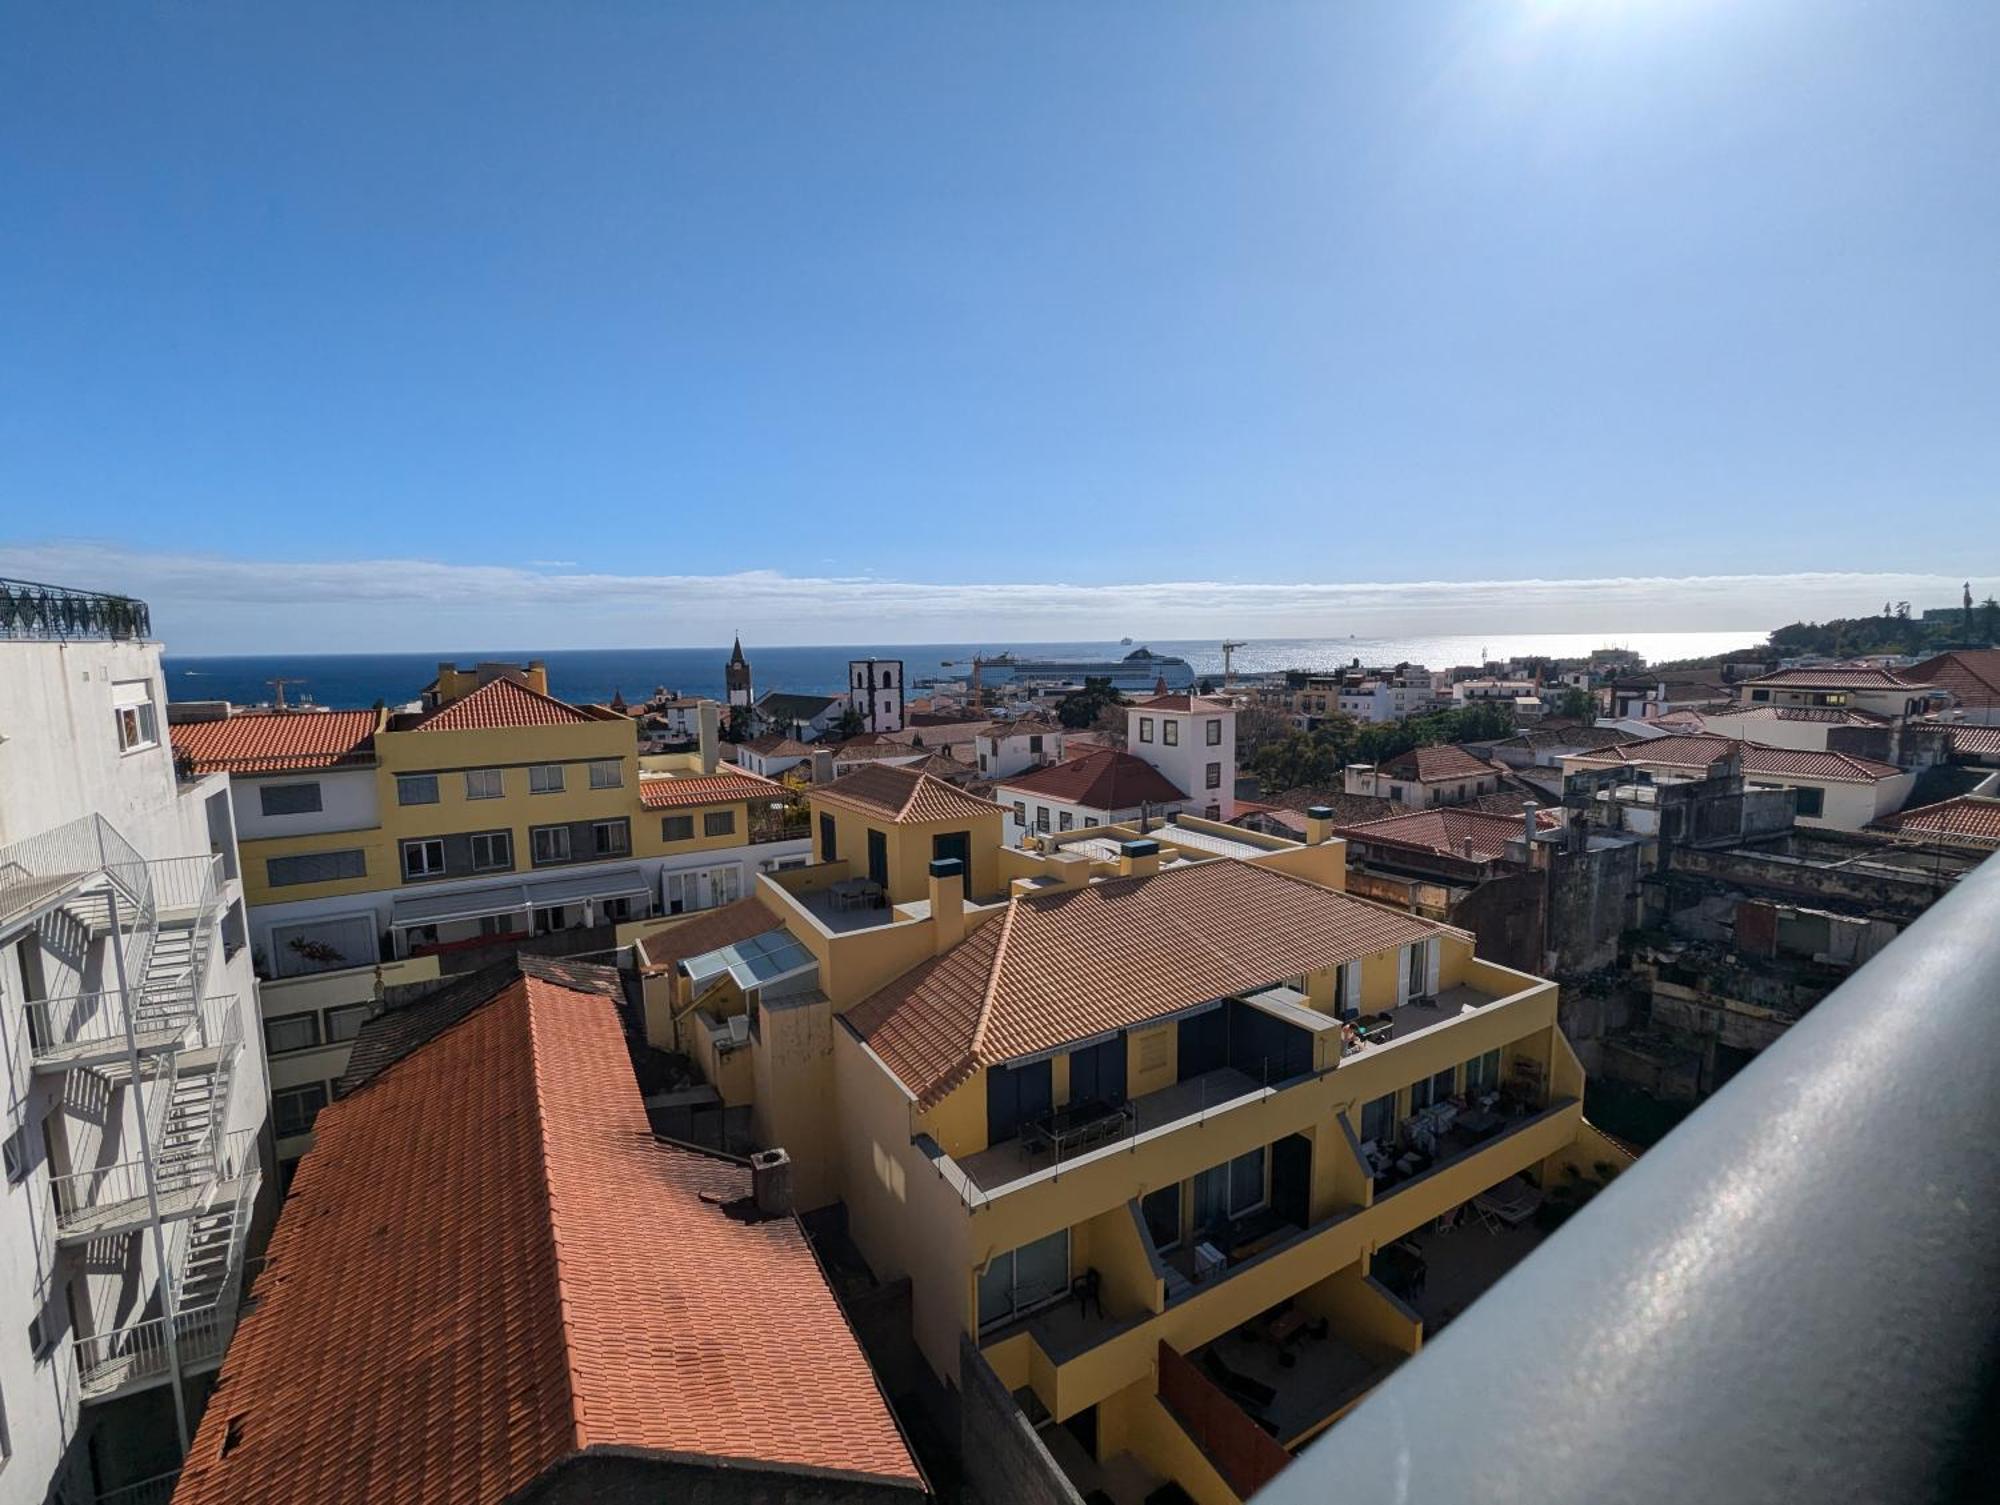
x: 512, y: 898
x: 616, y: 883
x: 466, y: 904
x: 752, y: 963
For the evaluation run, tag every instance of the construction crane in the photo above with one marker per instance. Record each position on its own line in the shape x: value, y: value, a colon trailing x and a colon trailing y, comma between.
x: 1229, y: 662
x: 278, y: 691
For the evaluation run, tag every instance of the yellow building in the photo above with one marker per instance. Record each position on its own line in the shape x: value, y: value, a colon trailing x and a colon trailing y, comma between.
x: 1114, y: 1107
x: 383, y: 852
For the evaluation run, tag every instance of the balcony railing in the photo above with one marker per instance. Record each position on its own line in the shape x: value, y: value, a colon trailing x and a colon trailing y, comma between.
x: 1790, y: 1297
x: 30, y: 610
x: 137, y: 1353
x: 89, y: 1199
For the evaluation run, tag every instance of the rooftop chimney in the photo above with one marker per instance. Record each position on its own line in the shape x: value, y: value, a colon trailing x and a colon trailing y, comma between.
x: 822, y: 765
x: 1528, y: 823
x: 771, y: 1182
x: 947, y: 902
x: 1139, y: 858
x: 1319, y: 824
x: 711, y: 735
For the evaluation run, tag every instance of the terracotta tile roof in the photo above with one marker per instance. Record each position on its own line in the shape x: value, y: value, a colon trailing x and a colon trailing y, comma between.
x: 278, y: 741
x: 1778, y: 762
x: 777, y: 745
x: 1971, y: 674
x: 1025, y: 726
x: 1103, y: 780
x: 1064, y: 966
x: 392, y: 1034
x: 1856, y: 678
x: 870, y: 745
x: 502, y: 703
x: 1431, y: 765
x: 704, y: 933
x: 672, y: 791
x: 1832, y: 715
x: 488, y: 1265
x: 1446, y: 830
x: 780, y: 705
x: 946, y: 734
x: 1976, y: 741
x: 1576, y: 736
x: 1971, y: 819
x: 901, y: 794
x: 1183, y: 702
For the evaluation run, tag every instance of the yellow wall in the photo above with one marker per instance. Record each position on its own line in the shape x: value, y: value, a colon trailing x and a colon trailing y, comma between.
x: 909, y: 848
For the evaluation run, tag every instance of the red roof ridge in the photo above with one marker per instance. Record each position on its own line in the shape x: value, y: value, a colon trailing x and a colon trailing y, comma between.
x: 495, y: 690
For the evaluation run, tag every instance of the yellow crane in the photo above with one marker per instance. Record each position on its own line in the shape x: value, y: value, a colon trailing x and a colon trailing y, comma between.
x: 1229, y: 662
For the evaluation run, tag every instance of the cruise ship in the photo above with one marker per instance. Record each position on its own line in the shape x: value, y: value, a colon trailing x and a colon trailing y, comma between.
x: 1139, y: 670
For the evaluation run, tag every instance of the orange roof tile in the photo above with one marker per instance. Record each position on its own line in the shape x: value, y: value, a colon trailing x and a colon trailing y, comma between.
x: 502, y: 703
x: 1858, y: 677
x: 1430, y: 765
x: 903, y: 795
x: 1103, y: 780
x: 1064, y: 966
x: 1183, y: 703
x: 1776, y: 762
x: 278, y: 741
x: 487, y: 1265
x: 1447, y: 831
x: 1971, y: 819
x: 710, y: 931
x: 1971, y: 674
x: 1976, y: 741
x: 670, y: 791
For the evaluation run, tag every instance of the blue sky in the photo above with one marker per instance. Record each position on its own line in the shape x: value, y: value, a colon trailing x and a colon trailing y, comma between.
x: 421, y: 303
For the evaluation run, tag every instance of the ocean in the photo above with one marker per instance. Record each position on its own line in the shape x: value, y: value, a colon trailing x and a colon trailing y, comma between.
x: 356, y: 680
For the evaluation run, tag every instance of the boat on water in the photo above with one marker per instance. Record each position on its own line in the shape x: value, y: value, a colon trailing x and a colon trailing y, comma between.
x: 1139, y: 670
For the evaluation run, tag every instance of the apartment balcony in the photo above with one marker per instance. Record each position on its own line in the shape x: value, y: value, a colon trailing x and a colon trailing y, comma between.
x: 91, y: 1029
x: 107, y: 1200
x: 1076, y: 1353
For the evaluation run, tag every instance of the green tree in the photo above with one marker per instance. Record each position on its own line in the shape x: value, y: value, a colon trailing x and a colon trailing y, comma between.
x: 850, y: 724
x: 1990, y: 610
x: 1081, y: 708
x: 1577, y: 704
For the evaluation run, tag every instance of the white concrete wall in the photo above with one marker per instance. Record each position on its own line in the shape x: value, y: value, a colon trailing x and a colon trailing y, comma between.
x: 1185, y: 762
x: 1002, y: 757
x: 347, y: 803
x: 60, y: 759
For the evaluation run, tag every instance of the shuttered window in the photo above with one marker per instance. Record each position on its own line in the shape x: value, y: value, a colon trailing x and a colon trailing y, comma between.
x: 315, y: 867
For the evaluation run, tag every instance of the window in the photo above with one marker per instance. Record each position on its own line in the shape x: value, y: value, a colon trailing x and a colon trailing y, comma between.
x: 289, y: 799
x: 554, y: 917
x: 1214, y: 776
x: 1145, y: 728
x: 607, y: 773
x: 718, y: 823
x: 424, y: 859
x: 703, y: 888
x: 1760, y: 694
x: 496, y: 924
x: 1812, y: 802
x: 416, y: 789
x: 492, y: 851
x: 42, y: 1336
x: 1162, y: 1210
x: 1035, y: 745
x: 614, y: 911
x: 344, y: 1023
x: 314, y: 867
x: 1246, y: 1183
x: 484, y: 783
x: 1482, y: 1073
x: 680, y: 827
x: 1090, y: 820
x: 545, y: 778
x: 611, y: 838
x: 1065, y: 820
x: 15, y: 1154
x: 1215, y: 734
x: 1025, y: 1278
x: 138, y: 721
x: 1020, y: 812
x: 293, y: 1109
x: 549, y: 843
x: 1041, y: 817
x: 1378, y: 1119
x: 291, y: 1032
x: 1170, y: 731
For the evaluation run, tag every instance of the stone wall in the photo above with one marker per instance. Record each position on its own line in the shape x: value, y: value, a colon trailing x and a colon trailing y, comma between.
x: 1005, y: 1462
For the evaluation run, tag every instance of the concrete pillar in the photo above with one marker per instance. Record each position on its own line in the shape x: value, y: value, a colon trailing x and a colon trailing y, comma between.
x: 947, y: 881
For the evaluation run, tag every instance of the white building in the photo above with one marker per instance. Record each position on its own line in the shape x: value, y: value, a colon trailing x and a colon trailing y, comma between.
x: 135, y: 1074
x: 1390, y: 698
x: 1006, y: 748
x: 1471, y: 691
x: 1100, y: 788
x: 1880, y: 692
x: 1833, y: 789
x: 1191, y: 739
x: 875, y: 689
x: 1425, y: 776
